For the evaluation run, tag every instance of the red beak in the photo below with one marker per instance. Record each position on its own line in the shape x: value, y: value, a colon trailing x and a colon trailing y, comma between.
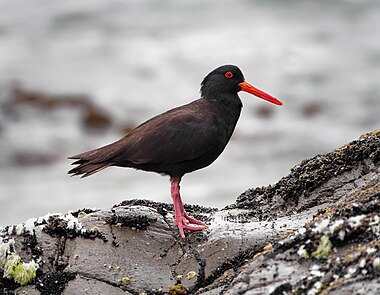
x: 246, y: 87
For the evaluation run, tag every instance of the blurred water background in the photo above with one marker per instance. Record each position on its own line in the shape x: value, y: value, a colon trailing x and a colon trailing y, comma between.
x: 77, y: 74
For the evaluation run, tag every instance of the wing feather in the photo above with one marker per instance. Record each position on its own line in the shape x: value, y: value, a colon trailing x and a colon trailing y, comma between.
x: 170, y: 138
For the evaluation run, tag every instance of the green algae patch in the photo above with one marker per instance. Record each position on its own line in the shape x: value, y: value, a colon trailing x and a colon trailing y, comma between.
x: 324, y: 249
x: 19, y: 271
x: 12, y: 265
x: 376, y: 263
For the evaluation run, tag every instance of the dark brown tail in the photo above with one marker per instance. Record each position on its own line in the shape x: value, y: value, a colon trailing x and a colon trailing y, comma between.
x: 90, y: 163
x: 93, y: 161
x: 86, y: 168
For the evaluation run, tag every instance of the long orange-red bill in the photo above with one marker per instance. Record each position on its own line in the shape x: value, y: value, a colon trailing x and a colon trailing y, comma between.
x: 245, y: 86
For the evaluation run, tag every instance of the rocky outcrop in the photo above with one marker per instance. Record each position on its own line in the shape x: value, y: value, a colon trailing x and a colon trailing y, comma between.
x: 316, y: 231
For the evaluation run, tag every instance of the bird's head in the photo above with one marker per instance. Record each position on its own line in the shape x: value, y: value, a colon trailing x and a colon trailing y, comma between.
x: 230, y: 79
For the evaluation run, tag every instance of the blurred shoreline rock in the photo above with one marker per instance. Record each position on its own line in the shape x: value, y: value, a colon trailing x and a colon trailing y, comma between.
x: 93, y: 116
x: 18, y: 102
x: 316, y: 231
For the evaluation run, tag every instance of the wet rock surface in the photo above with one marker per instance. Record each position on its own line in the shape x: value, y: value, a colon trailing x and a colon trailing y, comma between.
x: 316, y: 231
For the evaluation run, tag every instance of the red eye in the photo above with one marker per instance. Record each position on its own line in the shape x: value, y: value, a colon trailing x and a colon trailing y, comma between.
x: 228, y: 75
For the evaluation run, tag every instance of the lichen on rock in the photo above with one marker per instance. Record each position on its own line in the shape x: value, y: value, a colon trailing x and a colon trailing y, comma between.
x: 13, y: 267
x: 324, y: 248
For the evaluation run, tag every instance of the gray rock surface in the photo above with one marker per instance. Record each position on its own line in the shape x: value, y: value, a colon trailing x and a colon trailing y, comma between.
x: 316, y: 231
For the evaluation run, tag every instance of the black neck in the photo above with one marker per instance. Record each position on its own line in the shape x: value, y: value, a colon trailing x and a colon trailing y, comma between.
x: 227, y: 101
x: 229, y: 107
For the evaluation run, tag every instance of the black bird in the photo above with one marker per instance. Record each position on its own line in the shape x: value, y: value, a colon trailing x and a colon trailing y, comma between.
x: 181, y: 140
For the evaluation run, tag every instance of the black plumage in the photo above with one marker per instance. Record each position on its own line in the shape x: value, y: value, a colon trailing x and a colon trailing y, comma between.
x: 181, y: 140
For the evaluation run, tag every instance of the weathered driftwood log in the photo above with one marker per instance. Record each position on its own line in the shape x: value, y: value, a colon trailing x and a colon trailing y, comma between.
x: 315, y: 231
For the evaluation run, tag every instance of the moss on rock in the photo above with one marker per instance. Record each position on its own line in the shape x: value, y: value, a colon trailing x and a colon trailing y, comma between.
x: 324, y: 249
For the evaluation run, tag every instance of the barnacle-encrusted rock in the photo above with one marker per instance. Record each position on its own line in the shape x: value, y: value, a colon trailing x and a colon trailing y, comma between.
x: 316, y: 231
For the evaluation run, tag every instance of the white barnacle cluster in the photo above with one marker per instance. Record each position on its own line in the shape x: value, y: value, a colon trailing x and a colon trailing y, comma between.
x: 315, y: 272
x: 72, y: 223
x: 315, y: 289
x: 30, y: 225
x: 351, y: 271
x: 342, y: 226
x: 302, y: 230
x: 353, y: 222
x: 337, y: 226
x: 302, y: 252
x: 356, y: 221
x: 5, y: 250
x: 371, y: 250
x: 375, y: 225
x: 26, y: 227
x: 321, y: 226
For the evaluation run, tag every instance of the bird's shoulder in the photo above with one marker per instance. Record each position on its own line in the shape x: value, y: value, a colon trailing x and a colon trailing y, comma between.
x: 193, y: 115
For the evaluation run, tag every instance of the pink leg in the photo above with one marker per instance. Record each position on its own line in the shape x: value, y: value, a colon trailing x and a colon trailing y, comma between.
x: 182, y: 220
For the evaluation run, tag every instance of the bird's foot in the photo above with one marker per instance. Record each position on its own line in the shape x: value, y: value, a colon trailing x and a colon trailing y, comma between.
x: 192, y: 220
x: 189, y: 223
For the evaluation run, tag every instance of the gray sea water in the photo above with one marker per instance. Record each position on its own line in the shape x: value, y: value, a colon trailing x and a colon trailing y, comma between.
x: 138, y: 58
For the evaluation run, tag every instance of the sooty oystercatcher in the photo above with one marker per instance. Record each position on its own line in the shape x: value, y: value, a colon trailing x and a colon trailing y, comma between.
x: 181, y: 140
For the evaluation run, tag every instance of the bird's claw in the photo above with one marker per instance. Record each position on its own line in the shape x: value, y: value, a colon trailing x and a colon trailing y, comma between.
x: 189, y: 223
x: 192, y: 220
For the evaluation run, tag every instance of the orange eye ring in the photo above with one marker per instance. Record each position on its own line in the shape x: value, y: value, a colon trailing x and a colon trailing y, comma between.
x: 228, y: 75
